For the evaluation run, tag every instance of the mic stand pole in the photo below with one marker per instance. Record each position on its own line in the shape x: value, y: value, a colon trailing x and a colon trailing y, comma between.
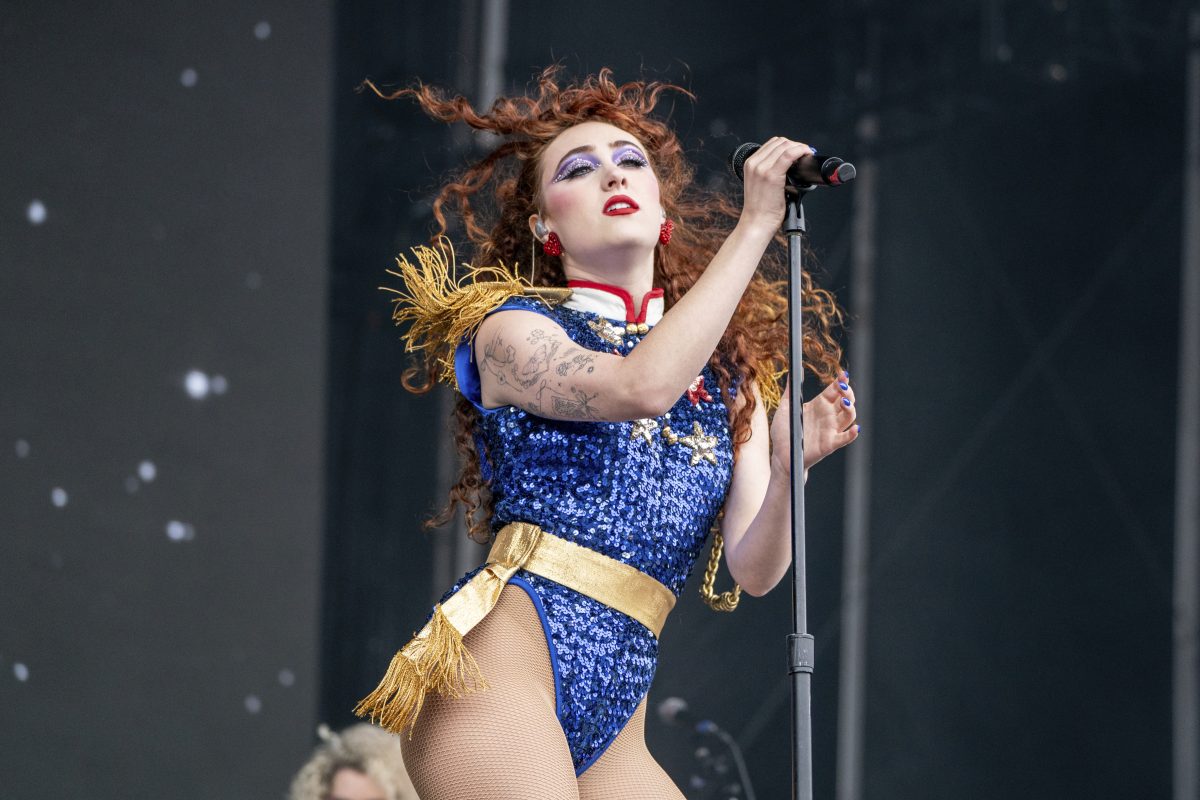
x: 799, y: 642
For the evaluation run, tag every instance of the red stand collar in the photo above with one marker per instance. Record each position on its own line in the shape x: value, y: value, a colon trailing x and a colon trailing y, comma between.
x: 635, y: 314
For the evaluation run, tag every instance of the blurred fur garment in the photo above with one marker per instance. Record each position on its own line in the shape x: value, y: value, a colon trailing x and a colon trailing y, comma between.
x: 363, y: 747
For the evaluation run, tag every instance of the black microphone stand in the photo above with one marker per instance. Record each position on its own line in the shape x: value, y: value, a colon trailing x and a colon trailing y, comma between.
x: 829, y: 171
x: 800, y: 642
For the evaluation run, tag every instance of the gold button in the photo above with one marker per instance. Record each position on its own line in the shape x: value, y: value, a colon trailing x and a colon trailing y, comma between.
x: 643, y: 328
x: 631, y: 327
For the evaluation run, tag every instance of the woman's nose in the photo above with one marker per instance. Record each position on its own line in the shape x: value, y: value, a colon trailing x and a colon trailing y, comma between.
x: 613, y: 176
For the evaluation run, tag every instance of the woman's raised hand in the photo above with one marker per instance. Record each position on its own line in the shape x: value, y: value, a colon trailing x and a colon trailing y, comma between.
x: 764, y: 175
x: 828, y: 424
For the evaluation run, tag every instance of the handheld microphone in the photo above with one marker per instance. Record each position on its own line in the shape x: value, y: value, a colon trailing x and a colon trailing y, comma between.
x: 808, y: 170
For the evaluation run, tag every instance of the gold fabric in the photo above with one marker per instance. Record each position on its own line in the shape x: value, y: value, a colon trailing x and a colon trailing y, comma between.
x: 616, y: 584
x: 437, y: 660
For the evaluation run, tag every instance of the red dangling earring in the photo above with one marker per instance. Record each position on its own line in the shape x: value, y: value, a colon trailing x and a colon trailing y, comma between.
x: 552, y: 246
x: 664, y: 232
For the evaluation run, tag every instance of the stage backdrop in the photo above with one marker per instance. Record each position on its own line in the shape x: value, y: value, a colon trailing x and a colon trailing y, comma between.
x: 1022, y: 423
x: 163, y: 219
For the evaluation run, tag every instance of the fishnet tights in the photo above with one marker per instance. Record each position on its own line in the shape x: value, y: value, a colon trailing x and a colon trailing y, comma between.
x: 505, y: 743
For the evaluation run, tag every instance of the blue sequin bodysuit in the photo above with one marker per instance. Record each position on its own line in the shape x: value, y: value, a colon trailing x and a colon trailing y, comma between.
x: 619, y: 488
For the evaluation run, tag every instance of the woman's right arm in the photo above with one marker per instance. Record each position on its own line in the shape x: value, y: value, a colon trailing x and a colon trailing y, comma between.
x: 528, y: 361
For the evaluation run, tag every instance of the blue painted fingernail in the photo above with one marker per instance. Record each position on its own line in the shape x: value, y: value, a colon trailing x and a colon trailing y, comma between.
x: 858, y: 428
x: 846, y: 374
x: 846, y: 401
x: 844, y: 385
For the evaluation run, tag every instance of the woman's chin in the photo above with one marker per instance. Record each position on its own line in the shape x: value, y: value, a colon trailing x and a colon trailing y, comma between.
x: 621, y: 245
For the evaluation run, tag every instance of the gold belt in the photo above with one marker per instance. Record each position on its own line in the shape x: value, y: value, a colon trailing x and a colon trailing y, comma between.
x: 616, y: 584
x: 436, y: 659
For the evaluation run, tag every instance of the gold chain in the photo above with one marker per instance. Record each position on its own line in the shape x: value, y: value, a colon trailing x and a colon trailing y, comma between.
x: 725, y: 601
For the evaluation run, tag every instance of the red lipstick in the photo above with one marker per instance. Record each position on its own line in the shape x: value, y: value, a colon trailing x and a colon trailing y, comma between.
x: 624, y: 203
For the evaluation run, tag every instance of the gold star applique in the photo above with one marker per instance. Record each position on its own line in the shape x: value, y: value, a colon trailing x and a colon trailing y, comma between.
x: 700, y: 444
x: 606, y: 331
x: 644, y: 428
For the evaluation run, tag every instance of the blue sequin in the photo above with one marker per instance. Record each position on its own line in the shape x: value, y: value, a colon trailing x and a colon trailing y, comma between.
x: 596, y: 484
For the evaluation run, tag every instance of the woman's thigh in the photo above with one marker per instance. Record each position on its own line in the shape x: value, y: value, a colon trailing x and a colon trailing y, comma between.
x: 627, y: 771
x: 504, y: 741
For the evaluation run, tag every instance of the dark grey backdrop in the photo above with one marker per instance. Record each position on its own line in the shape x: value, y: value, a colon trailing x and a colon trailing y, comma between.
x: 185, y: 228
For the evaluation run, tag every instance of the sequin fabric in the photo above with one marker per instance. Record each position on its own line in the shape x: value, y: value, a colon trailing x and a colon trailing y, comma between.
x: 623, y: 489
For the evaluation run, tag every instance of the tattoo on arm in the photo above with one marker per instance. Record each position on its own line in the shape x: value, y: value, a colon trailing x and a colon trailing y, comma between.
x: 575, y: 364
x: 575, y: 406
x: 578, y: 406
x: 537, y: 377
x: 500, y: 360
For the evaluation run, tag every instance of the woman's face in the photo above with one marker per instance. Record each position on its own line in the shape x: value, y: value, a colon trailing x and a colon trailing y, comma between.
x: 599, y: 192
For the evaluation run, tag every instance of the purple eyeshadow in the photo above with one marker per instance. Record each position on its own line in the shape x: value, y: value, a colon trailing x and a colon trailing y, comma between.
x: 576, y: 161
x: 629, y: 150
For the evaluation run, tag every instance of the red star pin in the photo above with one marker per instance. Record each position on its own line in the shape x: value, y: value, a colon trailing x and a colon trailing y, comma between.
x: 696, y: 392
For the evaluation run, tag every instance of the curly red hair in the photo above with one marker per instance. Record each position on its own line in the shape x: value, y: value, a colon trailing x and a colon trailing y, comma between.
x: 754, y: 347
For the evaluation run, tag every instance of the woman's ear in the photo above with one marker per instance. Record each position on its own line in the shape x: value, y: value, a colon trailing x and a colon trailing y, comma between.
x: 538, y: 228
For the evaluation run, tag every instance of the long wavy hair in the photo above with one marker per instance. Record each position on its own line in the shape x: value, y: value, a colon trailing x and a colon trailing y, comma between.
x: 494, y: 197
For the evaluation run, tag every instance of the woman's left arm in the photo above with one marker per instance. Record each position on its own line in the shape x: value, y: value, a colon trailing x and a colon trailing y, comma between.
x: 757, y: 526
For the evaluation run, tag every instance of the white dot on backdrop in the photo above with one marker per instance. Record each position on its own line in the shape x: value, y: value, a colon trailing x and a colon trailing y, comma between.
x: 58, y: 496
x: 132, y: 484
x: 180, y: 531
x: 20, y: 672
x: 188, y: 77
x: 196, y: 383
x: 262, y: 30
x: 219, y: 384
x: 253, y: 704
x: 36, y: 212
x: 147, y: 471
x: 22, y: 448
x: 253, y: 280
x: 286, y: 677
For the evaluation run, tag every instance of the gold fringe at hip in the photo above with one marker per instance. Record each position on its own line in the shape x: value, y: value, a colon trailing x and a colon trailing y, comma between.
x: 437, y: 660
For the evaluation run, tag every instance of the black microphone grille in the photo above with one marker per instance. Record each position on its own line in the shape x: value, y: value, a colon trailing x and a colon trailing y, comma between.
x: 737, y: 159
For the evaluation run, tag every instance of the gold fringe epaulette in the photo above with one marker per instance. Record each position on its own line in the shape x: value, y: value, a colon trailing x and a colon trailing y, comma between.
x: 442, y: 306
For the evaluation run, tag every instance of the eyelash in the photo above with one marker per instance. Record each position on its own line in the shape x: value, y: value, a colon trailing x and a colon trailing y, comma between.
x: 635, y: 158
x: 583, y: 166
x: 579, y: 166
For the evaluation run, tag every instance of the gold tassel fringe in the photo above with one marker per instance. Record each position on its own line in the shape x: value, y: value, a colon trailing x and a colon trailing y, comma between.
x: 443, y: 307
x: 436, y: 662
x: 771, y: 392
